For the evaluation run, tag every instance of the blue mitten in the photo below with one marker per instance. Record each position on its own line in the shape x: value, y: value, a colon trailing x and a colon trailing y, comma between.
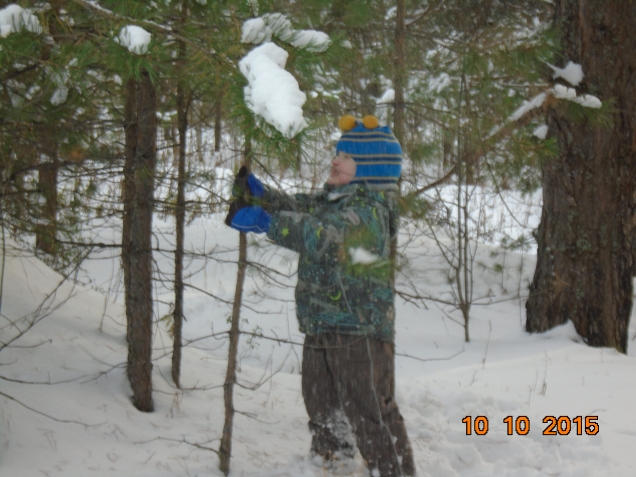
x: 246, y: 182
x: 251, y: 219
x: 256, y: 186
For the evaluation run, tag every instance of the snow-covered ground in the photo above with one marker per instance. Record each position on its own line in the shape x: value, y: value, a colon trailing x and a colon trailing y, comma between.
x: 69, y: 412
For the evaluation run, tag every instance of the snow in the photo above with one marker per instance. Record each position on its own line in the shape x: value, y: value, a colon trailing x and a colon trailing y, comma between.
x: 262, y: 29
x: 135, y: 38
x: 77, y: 351
x: 273, y: 93
x: 589, y: 101
x: 563, y: 92
x: 535, y: 102
x: 558, y: 91
x: 572, y: 73
x: 14, y: 18
x: 440, y: 83
x: 360, y: 255
x: 311, y: 40
x: 541, y: 132
x: 256, y: 31
x: 60, y: 79
x: 387, y: 97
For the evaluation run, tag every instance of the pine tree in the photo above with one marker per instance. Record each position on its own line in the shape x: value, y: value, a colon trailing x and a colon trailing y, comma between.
x: 46, y: 128
x: 585, y: 265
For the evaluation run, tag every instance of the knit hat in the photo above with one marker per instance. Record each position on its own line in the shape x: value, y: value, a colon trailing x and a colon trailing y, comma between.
x: 375, y: 149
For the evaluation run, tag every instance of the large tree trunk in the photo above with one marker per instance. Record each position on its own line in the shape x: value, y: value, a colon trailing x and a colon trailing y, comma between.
x: 585, y: 266
x: 139, y: 172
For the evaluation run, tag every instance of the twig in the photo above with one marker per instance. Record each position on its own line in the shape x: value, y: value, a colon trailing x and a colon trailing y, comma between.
x: 433, y: 185
x: 182, y: 441
x: 65, y: 421
x: 432, y: 359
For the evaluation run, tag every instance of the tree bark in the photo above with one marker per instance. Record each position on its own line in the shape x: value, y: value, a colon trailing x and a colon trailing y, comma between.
x: 46, y: 230
x: 182, y: 118
x: 139, y: 172
x: 400, y: 70
x: 585, y: 266
x: 218, y: 122
x: 398, y: 109
x: 225, y: 449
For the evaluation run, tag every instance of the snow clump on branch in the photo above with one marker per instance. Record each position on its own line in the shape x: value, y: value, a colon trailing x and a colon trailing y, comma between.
x: 541, y: 132
x: 14, y: 18
x: 273, y: 93
x: 135, y: 38
x: 572, y: 73
x: 262, y: 29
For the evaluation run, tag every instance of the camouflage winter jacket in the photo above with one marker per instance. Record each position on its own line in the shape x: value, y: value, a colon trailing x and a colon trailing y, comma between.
x: 343, y: 236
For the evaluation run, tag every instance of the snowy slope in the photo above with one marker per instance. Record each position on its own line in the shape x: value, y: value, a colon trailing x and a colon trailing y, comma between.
x: 81, y: 423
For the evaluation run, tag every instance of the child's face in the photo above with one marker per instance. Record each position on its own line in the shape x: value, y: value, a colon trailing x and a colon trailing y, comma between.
x: 343, y: 169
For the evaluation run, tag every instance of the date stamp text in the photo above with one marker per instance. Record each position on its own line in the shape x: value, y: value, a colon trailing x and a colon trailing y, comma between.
x: 562, y: 425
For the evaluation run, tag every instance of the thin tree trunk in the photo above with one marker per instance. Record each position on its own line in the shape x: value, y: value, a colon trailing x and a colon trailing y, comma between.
x: 199, y: 138
x: 585, y: 266
x: 46, y: 230
x: 462, y: 218
x: 182, y: 118
x: 400, y: 71
x: 398, y: 112
x: 218, y: 124
x: 225, y: 449
x: 3, y: 252
x: 138, y: 236
x: 131, y: 129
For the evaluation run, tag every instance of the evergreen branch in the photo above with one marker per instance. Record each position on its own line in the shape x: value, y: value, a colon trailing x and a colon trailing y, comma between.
x: 16, y: 73
x: 505, y: 131
x: 431, y: 8
x: 101, y: 11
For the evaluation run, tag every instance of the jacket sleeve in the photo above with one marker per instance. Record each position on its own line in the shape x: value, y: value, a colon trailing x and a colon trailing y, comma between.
x: 275, y: 200
x: 359, y: 230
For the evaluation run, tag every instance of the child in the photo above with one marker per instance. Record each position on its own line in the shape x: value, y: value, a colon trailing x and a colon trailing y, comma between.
x: 344, y: 297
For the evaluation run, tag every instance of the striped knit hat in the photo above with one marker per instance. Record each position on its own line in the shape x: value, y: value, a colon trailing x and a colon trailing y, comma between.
x: 375, y: 149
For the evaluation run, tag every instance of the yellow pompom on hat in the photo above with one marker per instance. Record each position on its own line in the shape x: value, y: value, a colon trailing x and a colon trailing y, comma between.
x: 375, y: 149
x: 347, y: 123
x: 370, y: 122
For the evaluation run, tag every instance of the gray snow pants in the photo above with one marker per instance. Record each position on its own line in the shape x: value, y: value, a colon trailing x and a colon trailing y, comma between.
x: 353, y: 376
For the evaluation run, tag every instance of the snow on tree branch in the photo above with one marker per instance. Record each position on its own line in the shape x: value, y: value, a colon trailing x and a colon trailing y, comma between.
x: 135, y: 38
x: 14, y: 18
x: 262, y: 29
x: 99, y: 10
x: 559, y: 91
x: 273, y: 93
x: 572, y: 73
